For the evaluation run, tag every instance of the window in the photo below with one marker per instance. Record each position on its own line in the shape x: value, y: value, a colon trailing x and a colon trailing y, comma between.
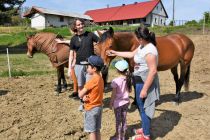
x: 144, y: 19
x: 61, y: 19
x: 155, y: 20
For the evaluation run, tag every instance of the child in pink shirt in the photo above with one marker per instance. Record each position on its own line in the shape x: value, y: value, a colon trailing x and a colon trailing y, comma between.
x: 120, y: 98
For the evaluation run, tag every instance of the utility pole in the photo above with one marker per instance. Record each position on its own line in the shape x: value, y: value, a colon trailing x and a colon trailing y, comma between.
x: 173, y: 12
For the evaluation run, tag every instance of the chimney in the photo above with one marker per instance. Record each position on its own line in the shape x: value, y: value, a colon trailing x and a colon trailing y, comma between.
x: 107, y: 5
x: 123, y: 4
x: 135, y: 2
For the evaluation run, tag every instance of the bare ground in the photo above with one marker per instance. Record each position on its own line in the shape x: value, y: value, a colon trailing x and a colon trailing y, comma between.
x: 30, y: 110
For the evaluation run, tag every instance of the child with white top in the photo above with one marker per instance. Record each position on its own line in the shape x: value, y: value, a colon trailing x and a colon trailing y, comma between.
x: 120, y: 98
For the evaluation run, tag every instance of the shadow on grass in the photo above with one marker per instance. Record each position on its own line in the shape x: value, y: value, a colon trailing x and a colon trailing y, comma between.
x: 19, y: 49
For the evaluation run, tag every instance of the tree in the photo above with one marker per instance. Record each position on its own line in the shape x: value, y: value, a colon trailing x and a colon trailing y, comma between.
x: 9, y: 8
x: 207, y: 17
x: 171, y: 23
x: 192, y: 22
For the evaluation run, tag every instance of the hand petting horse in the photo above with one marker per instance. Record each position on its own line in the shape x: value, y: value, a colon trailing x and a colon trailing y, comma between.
x: 173, y: 49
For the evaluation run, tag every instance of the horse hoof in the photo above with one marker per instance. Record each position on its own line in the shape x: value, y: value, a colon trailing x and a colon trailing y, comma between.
x: 58, y: 90
x: 56, y: 93
x: 176, y: 103
x: 64, y: 89
x: 107, y: 89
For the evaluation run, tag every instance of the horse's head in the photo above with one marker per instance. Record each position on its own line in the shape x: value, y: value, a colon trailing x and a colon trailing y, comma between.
x: 105, y: 43
x: 31, y: 46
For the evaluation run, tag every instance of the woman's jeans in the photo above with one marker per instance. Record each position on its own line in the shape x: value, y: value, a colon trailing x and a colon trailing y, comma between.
x: 146, y: 121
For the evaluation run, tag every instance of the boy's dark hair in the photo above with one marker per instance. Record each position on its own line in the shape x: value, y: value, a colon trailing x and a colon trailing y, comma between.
x: 97, y: 68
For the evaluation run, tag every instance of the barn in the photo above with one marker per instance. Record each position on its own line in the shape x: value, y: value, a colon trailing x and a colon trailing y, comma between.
x: 149, y: 13
x: 42, y: 17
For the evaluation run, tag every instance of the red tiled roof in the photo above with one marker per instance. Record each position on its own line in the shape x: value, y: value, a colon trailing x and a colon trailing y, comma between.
x: 130, y: 11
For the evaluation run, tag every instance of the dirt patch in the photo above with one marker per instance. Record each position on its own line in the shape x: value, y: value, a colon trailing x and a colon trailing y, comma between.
x: 30, y: 110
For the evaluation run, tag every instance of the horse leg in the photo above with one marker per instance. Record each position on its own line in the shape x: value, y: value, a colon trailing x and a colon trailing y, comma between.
x: 187, y: 78
x: 58, y: 89
x: 63, y: 79
x: 180, y: 81
x: 176, y: 79
x: 104, y: 76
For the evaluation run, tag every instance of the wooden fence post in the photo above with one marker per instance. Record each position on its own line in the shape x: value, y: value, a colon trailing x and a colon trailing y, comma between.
x: 8, y: 63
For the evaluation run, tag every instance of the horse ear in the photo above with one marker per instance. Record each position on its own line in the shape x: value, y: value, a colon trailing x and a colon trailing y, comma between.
x: 98, y: 33
x: 111, y: 31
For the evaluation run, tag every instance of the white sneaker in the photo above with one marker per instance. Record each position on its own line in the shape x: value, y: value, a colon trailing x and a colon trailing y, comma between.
x: 81, y: 107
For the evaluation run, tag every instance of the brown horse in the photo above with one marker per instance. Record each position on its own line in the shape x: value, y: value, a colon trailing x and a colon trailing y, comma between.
x: 57, y: 53
x: 173, y: 49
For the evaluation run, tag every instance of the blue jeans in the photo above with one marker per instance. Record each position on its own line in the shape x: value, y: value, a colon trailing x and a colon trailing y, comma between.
x: 146, y: 121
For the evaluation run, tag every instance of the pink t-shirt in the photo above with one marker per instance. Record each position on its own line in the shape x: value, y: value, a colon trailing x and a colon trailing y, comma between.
x: 122, y: 94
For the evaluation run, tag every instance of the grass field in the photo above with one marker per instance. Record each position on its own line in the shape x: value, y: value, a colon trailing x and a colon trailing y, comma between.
x: 16, y: 36
x: 21, y: 65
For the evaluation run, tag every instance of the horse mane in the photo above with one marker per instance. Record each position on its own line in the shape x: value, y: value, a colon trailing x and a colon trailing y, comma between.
x: 44, y: 39
x: 104, y: 36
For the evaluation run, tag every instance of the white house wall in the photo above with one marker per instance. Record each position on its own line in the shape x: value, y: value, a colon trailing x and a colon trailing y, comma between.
x: 158, y: 16
x: 54, y: 20
x: 38, y: 21
x: 148, y: 19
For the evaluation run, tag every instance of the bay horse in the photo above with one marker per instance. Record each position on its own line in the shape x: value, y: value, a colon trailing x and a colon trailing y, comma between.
x: 57, y: 53
x: 173, y: 49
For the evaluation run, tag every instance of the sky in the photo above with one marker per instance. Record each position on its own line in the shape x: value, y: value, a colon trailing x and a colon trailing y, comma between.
x: 184, y: 9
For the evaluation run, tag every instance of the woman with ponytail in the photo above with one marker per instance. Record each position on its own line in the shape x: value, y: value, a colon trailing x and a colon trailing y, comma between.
x: 145, y: 78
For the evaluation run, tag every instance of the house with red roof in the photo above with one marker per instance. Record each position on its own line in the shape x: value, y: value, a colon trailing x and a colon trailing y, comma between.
x: 149, y: 13
x: 42, y: 17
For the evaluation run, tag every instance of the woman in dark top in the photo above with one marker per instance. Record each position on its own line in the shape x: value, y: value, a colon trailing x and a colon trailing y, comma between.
x: 82, y: 44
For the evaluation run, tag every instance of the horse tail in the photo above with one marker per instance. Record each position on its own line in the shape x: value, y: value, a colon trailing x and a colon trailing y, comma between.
x: 187, y: 78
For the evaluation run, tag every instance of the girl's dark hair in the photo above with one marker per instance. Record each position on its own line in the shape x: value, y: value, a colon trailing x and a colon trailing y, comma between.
x: 128, y: 75
x: 144, y: 33
x: 73, y: 25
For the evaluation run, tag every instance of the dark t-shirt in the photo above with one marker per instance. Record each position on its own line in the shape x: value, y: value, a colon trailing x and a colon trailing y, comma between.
x: 83, y: 45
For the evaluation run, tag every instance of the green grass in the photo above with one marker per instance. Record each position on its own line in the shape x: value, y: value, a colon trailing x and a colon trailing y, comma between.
x: 12, y: 40
x: 21, y: 65
x: 15, y: 29
x: 16, y: 73
x: 64, y: 31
